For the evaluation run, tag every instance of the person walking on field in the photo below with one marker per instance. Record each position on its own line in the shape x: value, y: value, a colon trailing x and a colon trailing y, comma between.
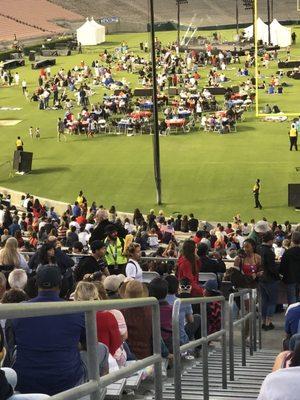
x: 19, y: 144
x: 61, y: 130
x: 256, y: 192
x: 293, y: 134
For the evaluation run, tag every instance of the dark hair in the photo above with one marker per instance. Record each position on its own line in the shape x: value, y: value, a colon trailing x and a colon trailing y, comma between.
x: 14, y: 296
x: 202, y: 249
x: 252, y: 242
x: 158, y: 288
x: 188, y: 251
x: 78, y: 246
x: 173, y: 284
x: 267, y: 236
x: 43, y: 253
x: 295, y: 360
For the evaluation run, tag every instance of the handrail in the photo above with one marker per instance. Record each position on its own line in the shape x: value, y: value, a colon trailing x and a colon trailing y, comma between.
x: 177, y: 349
x: 241, y: 321
x: 95, y: 385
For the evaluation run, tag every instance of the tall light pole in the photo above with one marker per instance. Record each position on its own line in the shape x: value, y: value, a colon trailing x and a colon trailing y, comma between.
x: 156, y: 149
x: 269, y: 21
x: 237, y: 15
x: 179, y: 2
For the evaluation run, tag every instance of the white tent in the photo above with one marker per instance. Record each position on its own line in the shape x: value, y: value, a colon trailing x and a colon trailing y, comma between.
x: 262, y: 31
x: 91, y: 33
x: 280, y: 35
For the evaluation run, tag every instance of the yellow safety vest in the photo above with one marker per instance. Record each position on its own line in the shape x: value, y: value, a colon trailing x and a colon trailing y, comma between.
x: 293, y: 132
x: 114, y: 252
x: 19, y: 143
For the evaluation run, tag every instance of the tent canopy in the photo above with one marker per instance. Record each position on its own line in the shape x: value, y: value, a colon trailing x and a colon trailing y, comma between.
x: 280, y: 35
x: 91, y: 33
x: 262, y: 31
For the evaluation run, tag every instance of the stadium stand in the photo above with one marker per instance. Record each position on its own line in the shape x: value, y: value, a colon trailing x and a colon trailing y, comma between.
x: 206, y: 12
x: 17, y: 17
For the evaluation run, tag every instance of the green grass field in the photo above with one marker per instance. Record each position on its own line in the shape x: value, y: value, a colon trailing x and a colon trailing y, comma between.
x: 209, y: 174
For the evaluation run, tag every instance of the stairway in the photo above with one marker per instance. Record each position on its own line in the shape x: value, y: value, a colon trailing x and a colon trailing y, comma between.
x: 247, y: 381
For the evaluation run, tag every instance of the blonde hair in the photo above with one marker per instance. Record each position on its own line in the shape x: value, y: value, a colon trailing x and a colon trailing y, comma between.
x: 101, y: 290
x: 131, y: 249
x: 3, y: 283
x: 86, y: 291
x: 9, y: 254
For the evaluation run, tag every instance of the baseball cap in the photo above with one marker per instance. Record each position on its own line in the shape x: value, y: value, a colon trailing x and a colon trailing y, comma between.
x: 112, y: 283
x: 48, y: 277
x: 211, y: 285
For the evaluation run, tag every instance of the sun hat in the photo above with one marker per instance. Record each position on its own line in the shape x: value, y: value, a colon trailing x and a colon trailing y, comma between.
x: 261, y: 227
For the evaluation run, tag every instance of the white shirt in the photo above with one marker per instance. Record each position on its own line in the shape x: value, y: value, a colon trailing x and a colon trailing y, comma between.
x: 133, y: 270
x: 76, y: 224
x: 83, y: 237
x: 1, y: 216
x: 283, y: 384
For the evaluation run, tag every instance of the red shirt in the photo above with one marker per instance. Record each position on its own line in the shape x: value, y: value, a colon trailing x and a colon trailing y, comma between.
x: 184, y: 270
x: 108, y: 331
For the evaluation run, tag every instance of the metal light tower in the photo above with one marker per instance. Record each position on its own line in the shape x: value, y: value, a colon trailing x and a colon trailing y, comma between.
x: 237, y: 15
x: 269, y: 21
x: 156, y: 149
x: 179, y: 2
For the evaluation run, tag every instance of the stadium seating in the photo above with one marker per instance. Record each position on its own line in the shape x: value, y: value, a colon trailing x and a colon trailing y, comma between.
x: 206, y: 12
x: 17, y: 18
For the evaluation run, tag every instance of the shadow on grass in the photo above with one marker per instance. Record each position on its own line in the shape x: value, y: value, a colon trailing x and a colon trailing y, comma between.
x: 47, y: 170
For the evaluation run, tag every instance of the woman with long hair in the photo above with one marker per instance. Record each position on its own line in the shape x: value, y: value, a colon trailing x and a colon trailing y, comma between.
x: 188, y: 266
x: 249, y: 261
x: 10, y: 258
x: 107, y: 326
x: 47, y: 254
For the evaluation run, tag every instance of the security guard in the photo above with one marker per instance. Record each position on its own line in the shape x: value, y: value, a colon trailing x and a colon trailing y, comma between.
x: 293, y: 134
x: 256, y: 192
x: 19, y: 144
x: 115, y: 259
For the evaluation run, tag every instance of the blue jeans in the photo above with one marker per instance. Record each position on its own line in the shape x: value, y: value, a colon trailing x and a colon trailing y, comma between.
x: 292, y: 293
x: 11, y: 377
x: 269, y: 294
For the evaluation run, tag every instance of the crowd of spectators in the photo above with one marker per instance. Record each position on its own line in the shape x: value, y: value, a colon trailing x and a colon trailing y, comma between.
x: 88, y: 253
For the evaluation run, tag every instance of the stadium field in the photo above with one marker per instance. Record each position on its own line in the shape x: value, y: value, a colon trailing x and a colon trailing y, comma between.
x: 202, y: 172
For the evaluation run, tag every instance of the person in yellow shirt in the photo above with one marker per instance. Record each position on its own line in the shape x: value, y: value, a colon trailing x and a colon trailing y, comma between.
x: 19, y: 144
x: 80, y: 198
x: 256, y: 192
x: 293, y: 134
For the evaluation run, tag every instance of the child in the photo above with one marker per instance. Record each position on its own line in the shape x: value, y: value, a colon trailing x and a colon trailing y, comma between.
x: 158, y: 288
x: 31, y: 132
x: 214, y: 308
x: 37, y: 133
x: 153, y: 239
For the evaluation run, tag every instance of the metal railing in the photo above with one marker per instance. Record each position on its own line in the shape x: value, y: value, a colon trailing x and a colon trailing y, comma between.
x: 257, y: 319
x: 246, y: 297
x: 177, y: 349
x: 96, y: 384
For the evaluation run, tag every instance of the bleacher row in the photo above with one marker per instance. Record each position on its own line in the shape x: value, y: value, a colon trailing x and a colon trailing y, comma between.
x: 16, y: 17
x: 203, y: 380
